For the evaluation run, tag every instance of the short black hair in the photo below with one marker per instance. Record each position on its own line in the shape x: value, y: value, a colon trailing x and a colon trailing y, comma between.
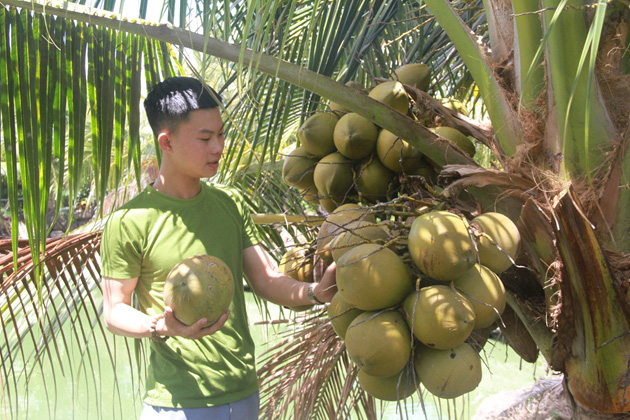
x: 171, y: 100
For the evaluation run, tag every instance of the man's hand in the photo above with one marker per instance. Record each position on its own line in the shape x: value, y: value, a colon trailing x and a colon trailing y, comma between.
x: 167, y: 324
x: 327, y: 286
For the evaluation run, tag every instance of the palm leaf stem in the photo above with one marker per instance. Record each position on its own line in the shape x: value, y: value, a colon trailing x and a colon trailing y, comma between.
x: 576, y: 107
x: 529, y: 69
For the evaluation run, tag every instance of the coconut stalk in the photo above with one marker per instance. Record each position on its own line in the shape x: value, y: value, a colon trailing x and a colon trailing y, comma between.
x: 595, y: 322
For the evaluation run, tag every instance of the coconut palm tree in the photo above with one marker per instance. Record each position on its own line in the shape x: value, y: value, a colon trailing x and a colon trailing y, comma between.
x: 551, y: 76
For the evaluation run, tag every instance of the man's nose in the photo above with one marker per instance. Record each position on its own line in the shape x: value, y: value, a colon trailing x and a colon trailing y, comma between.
x: 216, y: 147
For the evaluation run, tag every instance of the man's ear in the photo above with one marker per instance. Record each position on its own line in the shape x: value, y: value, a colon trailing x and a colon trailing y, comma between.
x: 164, y: 140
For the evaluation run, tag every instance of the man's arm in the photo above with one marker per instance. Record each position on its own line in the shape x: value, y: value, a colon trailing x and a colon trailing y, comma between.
x: 123, y: 319
x: 269, y: 283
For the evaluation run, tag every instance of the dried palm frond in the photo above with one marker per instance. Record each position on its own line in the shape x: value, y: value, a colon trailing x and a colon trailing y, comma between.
x: 309, y: 375
x: 46, y: 310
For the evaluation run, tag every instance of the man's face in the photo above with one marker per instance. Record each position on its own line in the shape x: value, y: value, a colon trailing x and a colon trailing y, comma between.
x: 197, y: 144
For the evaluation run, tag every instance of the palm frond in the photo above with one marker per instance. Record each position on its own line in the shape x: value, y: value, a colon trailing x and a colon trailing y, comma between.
x: 327, y: 391
x: 68, y: 294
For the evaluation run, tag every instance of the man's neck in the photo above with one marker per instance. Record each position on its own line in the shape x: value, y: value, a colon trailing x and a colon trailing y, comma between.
x: 177, y: 187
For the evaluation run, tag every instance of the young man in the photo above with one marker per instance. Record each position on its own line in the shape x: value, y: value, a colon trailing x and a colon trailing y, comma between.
x: 193, y: 372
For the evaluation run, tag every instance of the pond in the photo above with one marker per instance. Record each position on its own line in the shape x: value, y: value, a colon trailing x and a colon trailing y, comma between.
x: 72, y: 394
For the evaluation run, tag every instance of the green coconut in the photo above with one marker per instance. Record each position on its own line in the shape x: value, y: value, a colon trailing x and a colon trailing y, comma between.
x: 334, y: 106
x: 456, y: 137
x: 370, y: 277
x: 298, y: 169
x: 448, y: 373
x: 440, y: 316
x: 379, y: 343
x: 390, y: 388
x: 357, y: 234
x: 426, y: 170
x: 199, y: 287
x: 355, y: 136
x: 485, y: 292
x: 338, y: 221
x: 391, y: 93
x: 310, y: 195
x: 341, y: 314
x: 455, y: 105
x: 373, y: 180
x: 297, y: 263
x: 440, y: 245
x: 329, y: 204
x: 395, y: 153
x: 334, y: 177
x: 498, y: 236
x: 414, y: 74
x: 316, y: 133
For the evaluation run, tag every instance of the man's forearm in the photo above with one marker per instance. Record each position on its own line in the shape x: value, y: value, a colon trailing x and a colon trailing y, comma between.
x: 122, y: 319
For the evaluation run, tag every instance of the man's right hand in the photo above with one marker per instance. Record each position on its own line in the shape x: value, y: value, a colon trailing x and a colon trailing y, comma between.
x: 168, y: 325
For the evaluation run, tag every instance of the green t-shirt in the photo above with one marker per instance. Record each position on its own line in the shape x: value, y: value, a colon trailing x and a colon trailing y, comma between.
x: 145, y: 238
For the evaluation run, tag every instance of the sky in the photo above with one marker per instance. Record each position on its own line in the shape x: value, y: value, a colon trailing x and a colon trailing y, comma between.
x: 131, y: 8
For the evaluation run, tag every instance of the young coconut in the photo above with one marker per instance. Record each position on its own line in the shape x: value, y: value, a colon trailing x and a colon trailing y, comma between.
x: 338, y: 221
x: 297, y: 263
x: 440, y: 245
x: 355, y: 136
x: 316, y: 133
x: 457, y: 137
x: 426, y: 170
x: 448, y: 373
x: 328, y: 202
x: 391, y: 93
x: 390, y: 388
x: 310, y: 195
x: 358, y: 233
x: 298, y: 169
x: 395, y: 153
x: 414, y: 74
x: 498, y: 238
x: 439, y: 316
x: 370, y: 277
x: 334, y: 178
x: 373, y: 180
x: 379, y: 343
x: 485, y: 292
x: 199, y: 287
x: 455, y: 105
x: 341, y: 315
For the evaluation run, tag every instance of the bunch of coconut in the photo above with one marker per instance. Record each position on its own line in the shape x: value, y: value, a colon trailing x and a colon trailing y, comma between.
x: 343, y: 157
x: 405, y: 312
x: 404, y: 332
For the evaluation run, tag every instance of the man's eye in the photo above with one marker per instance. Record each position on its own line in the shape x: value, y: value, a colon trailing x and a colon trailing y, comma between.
x: 205, y: 139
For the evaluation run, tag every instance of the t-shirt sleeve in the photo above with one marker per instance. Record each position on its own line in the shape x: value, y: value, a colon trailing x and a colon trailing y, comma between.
x: 121, y: 255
